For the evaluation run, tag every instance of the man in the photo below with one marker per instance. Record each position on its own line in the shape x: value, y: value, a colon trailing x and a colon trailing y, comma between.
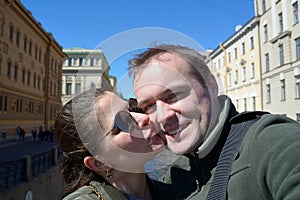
x: 176, y: 89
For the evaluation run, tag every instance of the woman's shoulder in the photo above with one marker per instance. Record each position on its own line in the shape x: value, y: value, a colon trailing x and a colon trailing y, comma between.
x: 96, y: 190
x: 84, y: 192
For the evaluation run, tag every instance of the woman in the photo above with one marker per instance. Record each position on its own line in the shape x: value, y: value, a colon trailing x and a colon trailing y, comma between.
x: 100, y: 160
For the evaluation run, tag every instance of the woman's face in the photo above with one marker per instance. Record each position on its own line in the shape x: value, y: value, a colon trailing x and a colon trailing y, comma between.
x: 139, y: 146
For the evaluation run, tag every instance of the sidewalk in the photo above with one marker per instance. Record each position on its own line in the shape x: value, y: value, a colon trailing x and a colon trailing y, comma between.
x: 14, y: 139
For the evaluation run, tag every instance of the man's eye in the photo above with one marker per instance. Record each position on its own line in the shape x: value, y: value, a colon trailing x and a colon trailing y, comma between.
x: 171, y: 98
x: 149, y: 108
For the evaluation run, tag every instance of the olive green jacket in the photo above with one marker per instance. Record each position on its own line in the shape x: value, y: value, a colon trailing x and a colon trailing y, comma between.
x: 267, y: 166
x: 104, y: 191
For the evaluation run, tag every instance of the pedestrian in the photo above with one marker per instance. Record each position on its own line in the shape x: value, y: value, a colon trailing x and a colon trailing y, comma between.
x: 51, y: 135
x: 23, y: 133
x: 19, y: 132
x: 34, y: 134
x: 101, y: 159
x: 174, y: 86
x: 40, y: 134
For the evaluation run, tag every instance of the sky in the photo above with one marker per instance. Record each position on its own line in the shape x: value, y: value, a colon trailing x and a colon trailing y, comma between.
x: 119, y: 24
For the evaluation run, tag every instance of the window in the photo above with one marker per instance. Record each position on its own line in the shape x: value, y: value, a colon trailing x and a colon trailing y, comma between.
x: 30, y: 47
x: 297, y: 87
x: 244, y: 74
x: 17, y: 105
x: 263, y: 5
x: 298, y: 48
x: 16, y: 73
x: 281, y: 55
x: 39, y: 83
x: 235, y: 53
x: 268, y: 93
x: 36, y: 52
x: 80, y: 61
x: 69, y: 88
x: 236, y: 77
x: 251, y: 43
x: 98, y: 61
x: 267, y: 62
x: 243, y: 48
x: 92, y: 62
x: 25, y: 44
x: 295, y: 12
x: 252, y: 71
x: 21, y: 105
x: 266, y: 33
x: 229, y: 57
x: 229, y: 80
x: 280, y: 20
x: 253, y: 103
x: 8, y: 69
x: 34, y: 81
x: 0, y: 103
x: 298, y: 117
x: 18, y: 38
x: 69, y: 62
x: 282, y: 86
x: 77, y: 88
x: 40, y: 55
x: 245, y: 104
x: 23, y: 76
x: 5, y: 104
x: 28, y: 78
x: 11, y: 33
x: 237, y: 104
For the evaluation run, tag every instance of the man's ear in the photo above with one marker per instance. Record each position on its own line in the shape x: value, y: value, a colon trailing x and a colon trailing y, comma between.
x: 213, y: 86
x: 94, y: 165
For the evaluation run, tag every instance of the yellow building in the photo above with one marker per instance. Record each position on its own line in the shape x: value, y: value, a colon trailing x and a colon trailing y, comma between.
x: 280, y: 54
x: 30, y: 70
x: 236, y: 66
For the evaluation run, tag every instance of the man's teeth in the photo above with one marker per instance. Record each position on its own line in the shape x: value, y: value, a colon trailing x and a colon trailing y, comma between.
x: 175, y: 131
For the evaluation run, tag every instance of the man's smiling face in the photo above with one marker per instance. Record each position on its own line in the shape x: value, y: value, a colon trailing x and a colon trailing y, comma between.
x: 176, y: 101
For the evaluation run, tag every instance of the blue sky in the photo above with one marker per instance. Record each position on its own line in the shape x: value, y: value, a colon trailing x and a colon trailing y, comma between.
x: 89, y: 23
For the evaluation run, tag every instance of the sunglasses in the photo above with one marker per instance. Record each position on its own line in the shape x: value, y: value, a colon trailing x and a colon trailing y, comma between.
x: 124, y: 121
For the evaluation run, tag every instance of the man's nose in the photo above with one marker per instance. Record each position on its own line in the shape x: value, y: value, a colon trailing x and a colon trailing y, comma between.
x: 141, y: 119
x: 163, y: 112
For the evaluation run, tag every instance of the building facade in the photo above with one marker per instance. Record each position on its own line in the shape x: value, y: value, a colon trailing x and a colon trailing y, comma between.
x: 30, y: 70
x: 84, y: 69
x: 236, y: 66
x: 280, y: 53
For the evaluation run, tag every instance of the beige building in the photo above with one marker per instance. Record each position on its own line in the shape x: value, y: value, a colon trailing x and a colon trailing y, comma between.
x: 280, y: 54
x: 30, y: 70
x: 236, y: 66
x: 84, y: 69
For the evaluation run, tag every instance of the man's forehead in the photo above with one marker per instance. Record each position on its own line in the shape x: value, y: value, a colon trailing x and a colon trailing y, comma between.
x: 158, y: 74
